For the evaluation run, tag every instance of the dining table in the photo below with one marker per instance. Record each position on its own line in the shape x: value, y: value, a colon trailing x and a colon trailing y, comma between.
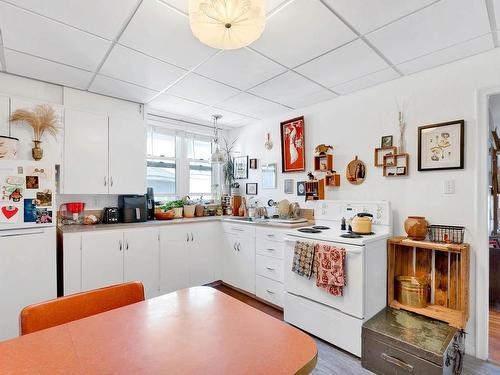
x: 197, y: 330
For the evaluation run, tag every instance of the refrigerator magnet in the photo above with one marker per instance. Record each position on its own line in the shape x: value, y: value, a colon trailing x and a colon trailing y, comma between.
x: 30, y: 215
x: 9, y: 214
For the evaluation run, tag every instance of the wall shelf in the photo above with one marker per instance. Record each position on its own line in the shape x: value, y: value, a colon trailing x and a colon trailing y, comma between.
x: 323, y: 163
x: 396, y: 165
x: 315, y: 190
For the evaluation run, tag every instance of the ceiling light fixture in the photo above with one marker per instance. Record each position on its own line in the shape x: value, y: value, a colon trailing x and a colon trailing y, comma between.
x: 217, y: 156
x: 227, y: 24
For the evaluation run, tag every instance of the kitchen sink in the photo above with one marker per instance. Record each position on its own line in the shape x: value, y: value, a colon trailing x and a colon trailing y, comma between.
x: 266, y: 221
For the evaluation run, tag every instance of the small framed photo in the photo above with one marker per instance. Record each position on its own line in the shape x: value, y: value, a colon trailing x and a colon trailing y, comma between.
x: 386, y: 141
x: 241, y: 167
x: 253, y: 163
x: 288, y: 186
x: 301, y: 188
x: 441, y: 146
x: 251, y: 188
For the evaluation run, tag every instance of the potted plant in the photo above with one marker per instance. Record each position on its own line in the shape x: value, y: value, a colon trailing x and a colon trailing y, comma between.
x: 228, y: 166
x: 189, y: 207
x: 178, y: 207
x: 42, y: 119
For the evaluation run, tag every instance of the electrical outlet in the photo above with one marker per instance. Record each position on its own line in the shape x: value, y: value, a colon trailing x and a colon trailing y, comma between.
x: 449, y: 187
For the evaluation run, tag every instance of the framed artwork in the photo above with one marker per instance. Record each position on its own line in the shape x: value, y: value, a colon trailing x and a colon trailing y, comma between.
x: 251, y: 188
x: 386, y: 141
x: 301, y: 188
x: 253, y: 163
x: 269, y: 176
x: 241, y: 167
x: 441, y: 146
x: 293, y: 145
x: 288, y: 186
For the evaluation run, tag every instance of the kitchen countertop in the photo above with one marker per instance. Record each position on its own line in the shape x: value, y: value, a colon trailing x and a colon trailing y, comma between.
x: 154, y: 223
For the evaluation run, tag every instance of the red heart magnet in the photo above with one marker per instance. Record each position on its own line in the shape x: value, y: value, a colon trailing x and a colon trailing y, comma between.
x: 9, y: 211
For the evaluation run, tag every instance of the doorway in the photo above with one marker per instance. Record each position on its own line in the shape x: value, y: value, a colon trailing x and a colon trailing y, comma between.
x: 494, y: 228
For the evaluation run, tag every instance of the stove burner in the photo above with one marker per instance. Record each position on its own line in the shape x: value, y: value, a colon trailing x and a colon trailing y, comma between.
x: 322, y: 227
x: 351, y: 235
x: 309, y: 230
x: 364, y: 234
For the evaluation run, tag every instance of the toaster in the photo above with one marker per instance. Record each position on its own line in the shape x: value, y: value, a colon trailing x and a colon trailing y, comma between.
x: 110, y: 215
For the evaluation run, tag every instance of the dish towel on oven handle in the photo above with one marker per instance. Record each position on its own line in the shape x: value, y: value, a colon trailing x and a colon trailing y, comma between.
x: 329, y: 266
x: 303, y: 259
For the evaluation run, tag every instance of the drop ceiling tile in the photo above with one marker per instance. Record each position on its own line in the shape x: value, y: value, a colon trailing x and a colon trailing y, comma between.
x: 293, y: 90
x: 228, y: 119
x: 301, y: 31
x: 123, y: 90
x: 103, y: 18
x: 202, y: 90
x: 26, y: 32
x: 162, y: 32
x: 448, y: 55
x: 346, y: 63
x: 178, y: 106
x: 182, y: 5
x: 44, y: 70
x: 134, y: 67
x: 369, y: 80
x: 367, y: 16
x: 251, y: 105
x: 241, y: 68
x: 441, y: 25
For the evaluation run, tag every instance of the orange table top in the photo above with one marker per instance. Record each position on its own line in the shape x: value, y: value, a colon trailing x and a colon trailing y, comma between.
x: 192, y: 331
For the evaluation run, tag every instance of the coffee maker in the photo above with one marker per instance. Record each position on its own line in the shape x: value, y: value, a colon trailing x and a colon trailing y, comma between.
x: 150, y: 201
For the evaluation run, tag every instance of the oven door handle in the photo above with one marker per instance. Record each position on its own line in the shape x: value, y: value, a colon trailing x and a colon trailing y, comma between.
x: 289, y: 240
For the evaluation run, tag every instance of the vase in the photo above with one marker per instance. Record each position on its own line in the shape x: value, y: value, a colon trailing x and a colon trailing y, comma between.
x: 178, y: 212
x: 416, y: 227
x: 189, y: 210
x: 37, y: 151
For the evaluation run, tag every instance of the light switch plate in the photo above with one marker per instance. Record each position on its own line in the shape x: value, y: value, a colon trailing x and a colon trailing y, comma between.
x: 449, y: 187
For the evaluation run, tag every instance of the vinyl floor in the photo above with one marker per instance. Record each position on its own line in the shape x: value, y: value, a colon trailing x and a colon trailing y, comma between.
x: 332, y: 360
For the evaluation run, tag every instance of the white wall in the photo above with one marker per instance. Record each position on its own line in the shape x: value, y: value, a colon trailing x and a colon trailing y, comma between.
x: 353, y: 124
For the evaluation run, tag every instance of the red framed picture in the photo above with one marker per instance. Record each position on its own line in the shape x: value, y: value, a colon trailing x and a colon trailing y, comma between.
x: 293, y: 145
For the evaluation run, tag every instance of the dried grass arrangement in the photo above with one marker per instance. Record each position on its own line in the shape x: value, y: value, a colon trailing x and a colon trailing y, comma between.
x: 41, y: 119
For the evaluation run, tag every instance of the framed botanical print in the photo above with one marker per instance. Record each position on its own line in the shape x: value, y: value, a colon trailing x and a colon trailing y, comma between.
x: 241, y: 167
x: 293, y: 145
x: 441, y: 146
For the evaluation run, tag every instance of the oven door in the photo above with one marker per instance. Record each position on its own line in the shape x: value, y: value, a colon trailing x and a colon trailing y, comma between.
x: 352, y: 301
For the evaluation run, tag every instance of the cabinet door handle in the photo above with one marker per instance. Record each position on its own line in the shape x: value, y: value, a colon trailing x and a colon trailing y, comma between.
x: 397, y: 362
x: 105, y: 181
x: 271, y: 268
x: 271, y: 249
x: 121, y: 245
x: 192, y: 239
x: 187, y: 237
x: 234, y: 246
x: 239, y: 247
x: 269, y: 291
x: 111, y: 181
x: 237, y: 229
x: 270, y: 235
x: 126, y: 245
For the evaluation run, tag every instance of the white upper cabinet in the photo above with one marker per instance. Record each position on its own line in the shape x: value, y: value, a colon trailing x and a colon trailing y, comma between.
x: 85, y: 153
x: 104, y: 155
x: 4, y: 115
x: 127, y: 156
x: 52, y: 146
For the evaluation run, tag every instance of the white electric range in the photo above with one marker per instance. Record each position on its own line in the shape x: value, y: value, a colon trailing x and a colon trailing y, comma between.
x: 338, y: 320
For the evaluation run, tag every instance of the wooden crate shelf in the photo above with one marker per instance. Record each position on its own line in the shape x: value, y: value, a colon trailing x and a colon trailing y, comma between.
x: 396, y: 165
x: 446, y: 265
x: 323, y: 163
x: 332, y: 179
x: 315, y: 190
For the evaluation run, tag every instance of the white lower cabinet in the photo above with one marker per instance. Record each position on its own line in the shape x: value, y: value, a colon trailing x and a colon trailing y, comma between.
x: 270, y: 290
x: 238, y: 259
x: 141, y: 259
x: 102, y: 259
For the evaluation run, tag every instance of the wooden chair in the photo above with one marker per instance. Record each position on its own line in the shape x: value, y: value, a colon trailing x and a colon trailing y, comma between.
x: 77, y: 306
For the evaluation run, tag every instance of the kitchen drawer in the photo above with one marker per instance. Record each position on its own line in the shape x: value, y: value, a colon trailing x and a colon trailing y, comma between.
x: 270, y: 248
x: 239, y: 229
x: 270, y: 290
x: 271, y: 234
x: 271, y: 268
x: 388, y: 360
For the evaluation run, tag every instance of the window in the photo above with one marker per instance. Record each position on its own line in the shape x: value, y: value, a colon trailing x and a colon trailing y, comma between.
x: 179, y: 164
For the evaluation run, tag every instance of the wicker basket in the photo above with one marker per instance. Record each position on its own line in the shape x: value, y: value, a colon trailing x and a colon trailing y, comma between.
x: 446, y: 234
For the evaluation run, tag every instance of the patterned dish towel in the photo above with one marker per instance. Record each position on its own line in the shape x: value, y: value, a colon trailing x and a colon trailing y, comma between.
x: 303, y: 258
x: 329, y: 267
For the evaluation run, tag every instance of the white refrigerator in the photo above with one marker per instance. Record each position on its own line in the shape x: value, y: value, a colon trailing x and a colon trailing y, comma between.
x: 28, y: 218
